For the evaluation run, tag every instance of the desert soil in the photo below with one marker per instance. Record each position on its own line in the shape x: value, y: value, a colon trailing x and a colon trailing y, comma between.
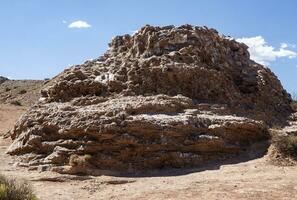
x: 253, y: 179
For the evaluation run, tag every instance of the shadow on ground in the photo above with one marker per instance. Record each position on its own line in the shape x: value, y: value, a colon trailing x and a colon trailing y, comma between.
x: 257, y: 150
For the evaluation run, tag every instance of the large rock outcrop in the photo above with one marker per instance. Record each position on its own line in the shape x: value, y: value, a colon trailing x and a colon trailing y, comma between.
x: 164, y: 97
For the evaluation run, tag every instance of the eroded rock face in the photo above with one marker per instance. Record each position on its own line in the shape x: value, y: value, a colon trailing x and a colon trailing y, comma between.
x: 164, y: 97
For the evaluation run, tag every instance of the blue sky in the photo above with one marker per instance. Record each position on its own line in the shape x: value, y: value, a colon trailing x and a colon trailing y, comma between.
x: 36, y: 41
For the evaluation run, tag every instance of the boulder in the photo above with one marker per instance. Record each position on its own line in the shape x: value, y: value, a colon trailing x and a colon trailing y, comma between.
x: 164, y: 97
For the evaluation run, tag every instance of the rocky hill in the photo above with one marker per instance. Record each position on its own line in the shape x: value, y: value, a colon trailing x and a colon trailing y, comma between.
x: 164, y: 97
x: 20, y: 92
x: 3, y: 79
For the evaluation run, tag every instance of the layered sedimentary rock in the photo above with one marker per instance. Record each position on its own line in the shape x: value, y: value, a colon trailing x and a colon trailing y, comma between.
x: 164, y: 97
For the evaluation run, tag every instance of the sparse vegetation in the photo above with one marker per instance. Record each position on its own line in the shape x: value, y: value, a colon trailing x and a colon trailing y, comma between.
x: 14, y: 90
x: 11, y: 189
x: 285, y: 144
x: 81, y: 161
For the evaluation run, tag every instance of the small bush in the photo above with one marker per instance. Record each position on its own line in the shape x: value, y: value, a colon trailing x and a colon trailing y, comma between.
x: 79, y: 160
x: 10, y: 189
x: 286, y: 144
x: 16, y: 103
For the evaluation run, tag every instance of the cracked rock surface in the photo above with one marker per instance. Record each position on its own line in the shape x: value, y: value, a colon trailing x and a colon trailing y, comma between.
x: 164, y: 97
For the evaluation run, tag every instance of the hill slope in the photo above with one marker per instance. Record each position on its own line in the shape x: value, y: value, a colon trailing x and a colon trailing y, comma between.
x: 23, y: 92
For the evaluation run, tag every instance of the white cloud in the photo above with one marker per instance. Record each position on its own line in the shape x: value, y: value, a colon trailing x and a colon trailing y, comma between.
x: 264, y: 54
x: 79, y: 24
x: 64, y: 22
x: 134, y: 32
x: 286, y: 45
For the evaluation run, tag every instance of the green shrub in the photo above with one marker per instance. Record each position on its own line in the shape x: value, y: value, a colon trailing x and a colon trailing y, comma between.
x: 10, y: 189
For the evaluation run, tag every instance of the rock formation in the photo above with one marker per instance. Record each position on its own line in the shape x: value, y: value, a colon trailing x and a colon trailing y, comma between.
x: 164, y: 97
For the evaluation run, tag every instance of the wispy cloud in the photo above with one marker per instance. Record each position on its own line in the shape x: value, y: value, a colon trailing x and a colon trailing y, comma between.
x: 287, y: 45
x: 134, y: 32
x: 64, y: 22
x: 263, y: 53
x: 79, y: 24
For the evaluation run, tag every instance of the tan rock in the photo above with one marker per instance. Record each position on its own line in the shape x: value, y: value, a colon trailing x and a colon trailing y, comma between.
x: 164, y: 97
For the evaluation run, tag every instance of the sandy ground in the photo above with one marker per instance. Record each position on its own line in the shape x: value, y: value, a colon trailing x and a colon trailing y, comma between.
x: 253, y: 179
x: 9, y: 114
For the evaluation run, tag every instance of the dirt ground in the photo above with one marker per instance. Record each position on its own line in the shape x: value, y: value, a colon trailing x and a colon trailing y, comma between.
x: 253, y: 179
x: 9, y: 114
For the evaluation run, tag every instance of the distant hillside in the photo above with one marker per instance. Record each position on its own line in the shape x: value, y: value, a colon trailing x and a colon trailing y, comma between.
x: 20, y: 92
x: 2, y: 79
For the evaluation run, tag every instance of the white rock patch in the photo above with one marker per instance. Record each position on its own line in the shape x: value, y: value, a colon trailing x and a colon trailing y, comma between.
x: 105, y: 78
x: 42, y: 99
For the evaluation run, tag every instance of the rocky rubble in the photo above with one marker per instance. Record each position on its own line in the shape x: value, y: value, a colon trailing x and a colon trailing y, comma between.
x: 164, y: 97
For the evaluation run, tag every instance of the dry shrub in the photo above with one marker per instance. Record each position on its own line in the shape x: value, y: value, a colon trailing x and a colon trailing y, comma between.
x: 285, y: 144
x: 79, y: 160
x: 11, y: 189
